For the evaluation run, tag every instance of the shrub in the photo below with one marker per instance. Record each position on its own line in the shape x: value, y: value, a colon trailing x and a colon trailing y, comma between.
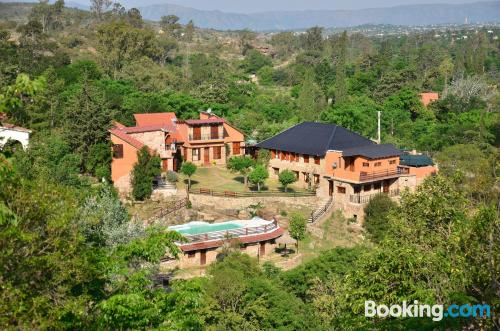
x: 172, y: 176
x: 376, y: 212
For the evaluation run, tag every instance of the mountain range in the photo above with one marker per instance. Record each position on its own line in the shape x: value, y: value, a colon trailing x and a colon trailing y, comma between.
x: 409, y: 15
x: 479, y: 12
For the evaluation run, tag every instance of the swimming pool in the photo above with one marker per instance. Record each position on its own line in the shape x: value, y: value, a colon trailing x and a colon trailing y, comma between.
x: 198, y: 227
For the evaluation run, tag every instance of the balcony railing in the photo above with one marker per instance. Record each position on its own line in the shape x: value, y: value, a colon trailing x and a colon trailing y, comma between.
x: 233, y: 233
x: 362, y: 199
x: 366, y: 176
x: 205, y: 137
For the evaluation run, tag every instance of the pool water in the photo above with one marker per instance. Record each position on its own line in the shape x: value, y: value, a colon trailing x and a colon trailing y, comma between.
x: 194, y: 228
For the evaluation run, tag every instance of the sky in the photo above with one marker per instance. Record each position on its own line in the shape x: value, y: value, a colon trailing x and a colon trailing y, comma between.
x: 251, y: 6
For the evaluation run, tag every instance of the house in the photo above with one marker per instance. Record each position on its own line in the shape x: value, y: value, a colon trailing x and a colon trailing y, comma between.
x: 13, y: 134
x: 340, y: 164
x: 427, y: 97
x: 206, y: 141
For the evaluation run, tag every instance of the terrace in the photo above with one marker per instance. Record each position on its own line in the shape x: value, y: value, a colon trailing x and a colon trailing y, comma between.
x: 388, y: 173
x: 362, y: 199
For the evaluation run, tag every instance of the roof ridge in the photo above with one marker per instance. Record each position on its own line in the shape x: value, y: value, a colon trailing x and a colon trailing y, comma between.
x: 331, y: 137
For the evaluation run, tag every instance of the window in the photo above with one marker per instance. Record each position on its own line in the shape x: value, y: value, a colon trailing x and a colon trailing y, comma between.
x: 340, y: 189
x: 306, y: 158
x: 191, y: 255
x: 118, y: 151
x: 236, y: 148
x: 196, y: 154
x: 367, y: 188
x: 378, y: 164
x: 276, y: 171
x: 274, y: 155
x: 296, y: 174
x: 366, y: 164
x: 392, y: 162
x: 214, y: 132
x: 316, y: 179
x: 217, y: 152
x: 316, y: 160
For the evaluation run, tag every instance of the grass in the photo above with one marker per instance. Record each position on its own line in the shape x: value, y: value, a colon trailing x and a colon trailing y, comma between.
x: 219, y: 178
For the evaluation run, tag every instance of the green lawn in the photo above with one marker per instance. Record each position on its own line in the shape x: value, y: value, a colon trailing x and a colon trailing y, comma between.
x: 219, y: 178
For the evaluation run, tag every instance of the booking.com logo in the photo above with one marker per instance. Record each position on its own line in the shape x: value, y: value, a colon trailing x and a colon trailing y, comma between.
x: 437, y: 312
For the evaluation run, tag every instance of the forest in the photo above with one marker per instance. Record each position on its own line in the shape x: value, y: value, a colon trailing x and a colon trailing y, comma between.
x: 72, y: 257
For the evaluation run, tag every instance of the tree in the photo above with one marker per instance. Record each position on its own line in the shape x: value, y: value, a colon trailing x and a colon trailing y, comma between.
x: 242, y: 165
x: 134, y: 18
x: 254, y: 60
x: 87, y: 119
x: 313, y: 39
x: 376, y: 220
x: 50, y: 16
x: 189, y: 31
x: 143, y: 173
x: 98, y: 7
x: 188, y: 169
x: 340, y: 77
x: 119, y: 43
x: 311, y: 101
x: 170, y: 25
x: 258, y: 176
x: 287, y: 177
x: 298, y: 227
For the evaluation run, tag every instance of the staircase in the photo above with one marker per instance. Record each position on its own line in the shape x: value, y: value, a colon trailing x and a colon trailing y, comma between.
x: 318, y: 213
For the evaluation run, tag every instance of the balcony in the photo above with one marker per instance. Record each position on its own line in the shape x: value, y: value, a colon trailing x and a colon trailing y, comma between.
x: 201, y: 137
x: 362, y: 199
x: 374, y: 175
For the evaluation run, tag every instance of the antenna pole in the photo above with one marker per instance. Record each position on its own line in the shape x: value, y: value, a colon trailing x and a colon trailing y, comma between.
x: 378, y: 127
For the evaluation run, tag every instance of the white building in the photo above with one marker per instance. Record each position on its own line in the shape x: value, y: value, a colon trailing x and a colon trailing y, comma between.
x: 10, y: 132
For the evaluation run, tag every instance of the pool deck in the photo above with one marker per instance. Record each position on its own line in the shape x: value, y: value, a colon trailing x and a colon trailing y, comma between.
x: 249, y: 231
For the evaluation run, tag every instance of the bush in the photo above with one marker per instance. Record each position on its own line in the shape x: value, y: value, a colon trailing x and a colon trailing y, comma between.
x: 172, y: 176
x: 376, y: 212
x: 145, y: 170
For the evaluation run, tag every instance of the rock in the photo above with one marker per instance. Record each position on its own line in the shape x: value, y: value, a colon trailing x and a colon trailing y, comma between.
x: 244, y: 215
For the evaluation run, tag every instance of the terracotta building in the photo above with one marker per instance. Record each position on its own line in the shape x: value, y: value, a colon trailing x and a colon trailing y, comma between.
x: 427, y: 97
x: 341, y: 164
x: 205, y: 141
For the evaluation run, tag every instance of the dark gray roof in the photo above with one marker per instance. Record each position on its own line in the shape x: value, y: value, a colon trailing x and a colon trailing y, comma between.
x: 373, y: 151
x: 415, y: 160
x: 315, y: 139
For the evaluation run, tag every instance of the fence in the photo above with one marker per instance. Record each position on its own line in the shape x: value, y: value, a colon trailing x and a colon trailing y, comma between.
x: 170, y: 209
x: 233, y: 233
x: 364, y: 176
x: 321, y: 211
x: 362, y: 199
x: 232, y: 194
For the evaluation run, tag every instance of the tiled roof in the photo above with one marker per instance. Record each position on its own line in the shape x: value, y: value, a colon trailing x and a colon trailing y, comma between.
x: 244, y: 240
x: 205, y: 121
x: 154, y: 119
x: 14, y: 127
x: 415, y: 160
x: 315, y: 139
x: 147, y: 128
x: 373, y: 151
x: 125, y: 137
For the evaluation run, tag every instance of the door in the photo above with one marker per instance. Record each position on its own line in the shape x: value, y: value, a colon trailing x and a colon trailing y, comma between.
x: 262, y: 249
x: 386, y: 185
x: 197, y: 133
x: 206, y: 155
x: 164, y: 164
x: 330, y: 187
x: 203, y: 257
